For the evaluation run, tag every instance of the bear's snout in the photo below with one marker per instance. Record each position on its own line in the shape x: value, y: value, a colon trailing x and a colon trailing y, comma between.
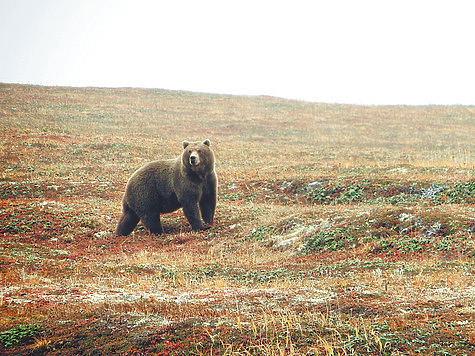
x: 194, y: 159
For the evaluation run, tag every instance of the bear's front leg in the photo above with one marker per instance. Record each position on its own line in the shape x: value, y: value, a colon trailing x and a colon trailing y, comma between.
x: 192, y: 213
x: 208, y: 199
x: 207, y: 207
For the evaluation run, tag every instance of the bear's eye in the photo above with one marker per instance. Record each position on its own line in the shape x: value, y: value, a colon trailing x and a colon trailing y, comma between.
x: 199, y: 151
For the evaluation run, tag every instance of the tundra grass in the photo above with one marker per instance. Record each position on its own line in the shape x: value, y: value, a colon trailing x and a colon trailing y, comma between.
x: 339, y: 229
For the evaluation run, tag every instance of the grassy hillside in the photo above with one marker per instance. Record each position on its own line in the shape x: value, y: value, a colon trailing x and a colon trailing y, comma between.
x: 340, y: 229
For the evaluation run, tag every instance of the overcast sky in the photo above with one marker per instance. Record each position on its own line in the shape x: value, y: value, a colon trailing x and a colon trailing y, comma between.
x: 362, y: 52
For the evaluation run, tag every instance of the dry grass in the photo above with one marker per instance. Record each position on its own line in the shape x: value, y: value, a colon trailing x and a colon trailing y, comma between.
x: 340, y: 229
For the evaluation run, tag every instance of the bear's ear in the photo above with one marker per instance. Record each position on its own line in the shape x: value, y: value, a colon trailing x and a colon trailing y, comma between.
x: 185, y: 144
x: 207, y: 142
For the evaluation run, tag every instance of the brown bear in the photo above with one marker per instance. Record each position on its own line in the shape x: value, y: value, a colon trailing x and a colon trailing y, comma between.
x: 189, y: 181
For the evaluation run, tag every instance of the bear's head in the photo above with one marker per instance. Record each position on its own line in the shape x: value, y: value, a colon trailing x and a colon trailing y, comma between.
x: 198, y: 157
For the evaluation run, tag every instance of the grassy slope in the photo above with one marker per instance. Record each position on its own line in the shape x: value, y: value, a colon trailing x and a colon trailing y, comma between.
x: 340, y: 228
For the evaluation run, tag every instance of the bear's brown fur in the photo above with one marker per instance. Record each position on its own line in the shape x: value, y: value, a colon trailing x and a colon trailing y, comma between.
x: 189, y: 181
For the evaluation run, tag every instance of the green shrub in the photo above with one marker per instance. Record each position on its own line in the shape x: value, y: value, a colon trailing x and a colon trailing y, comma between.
x: 461, y: 193
x: 330, y: 240
x: 17, y: 335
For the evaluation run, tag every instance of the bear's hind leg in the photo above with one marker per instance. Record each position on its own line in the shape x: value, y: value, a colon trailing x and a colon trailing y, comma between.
x: 152, y: 222
x: 127, y: 222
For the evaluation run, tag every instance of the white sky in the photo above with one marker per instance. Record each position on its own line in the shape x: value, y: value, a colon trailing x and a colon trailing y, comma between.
x: 357, y: 51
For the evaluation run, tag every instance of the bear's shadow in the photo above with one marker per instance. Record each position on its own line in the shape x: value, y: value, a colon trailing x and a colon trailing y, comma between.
x: 169, y: 228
